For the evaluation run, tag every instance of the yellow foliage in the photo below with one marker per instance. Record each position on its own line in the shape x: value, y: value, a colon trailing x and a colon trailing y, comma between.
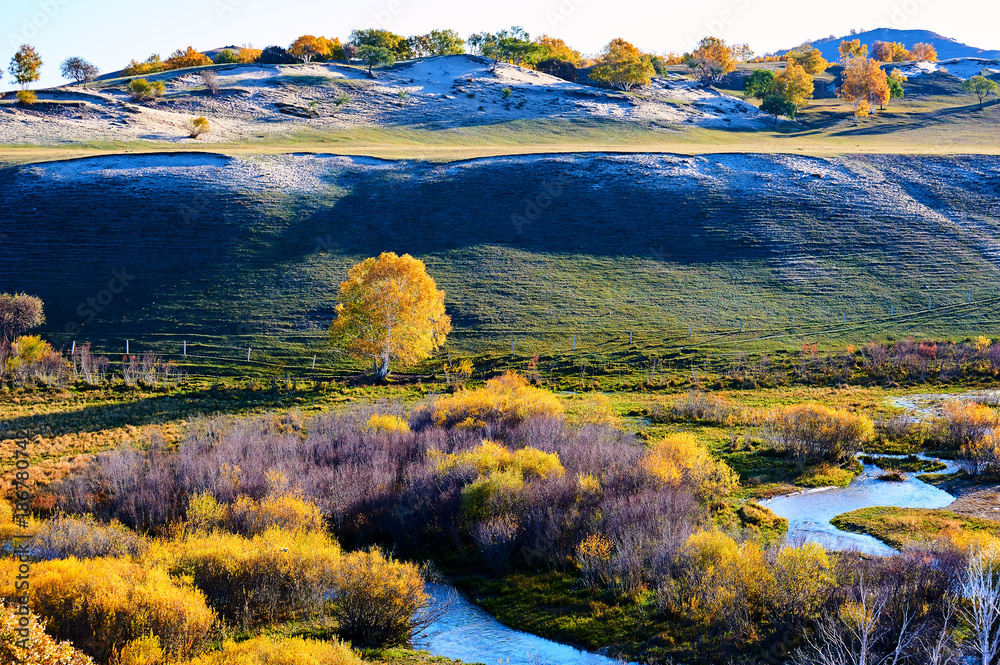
x: 102, y: 604
x: 376, y: 599
x: 982, y: 343
x: 491, y: 457
x: 272, y: 576
x: 187, y: 58
x: 387, y: 423
x: 145, y: 650
x: 597, y: 410
x: 588, y: 484
x: 390, y: 309
x: 249, y: 517
x: 803, y: 576
x: 43, y: 650
x: 506, y: 398
x: 248, y: 54
x: 965, y: 423
x: 264, y: 650
x: 818, y: 432
x: 680, y: 460
x: 493, y: 494
x: 713, y: 59
x: 621, y: 65
x: 865, y: 84
x: 794, y: 85
x: 984, y: 453
x: 594, y: 557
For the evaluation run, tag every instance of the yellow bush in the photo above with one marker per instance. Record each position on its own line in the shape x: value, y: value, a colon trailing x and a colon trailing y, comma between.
x: 497, y: 493
x: 597, y: 410
x: 729, y: 583
x: 145, y: 650
x: 204, y: 513
x: 387, y: 423
x: 280, y: 651
x: 492, y: 457
x: 679, y: 459
x: 252, y: 581
x: 26, y: 97
x: 102, y: 604
x: 42, y: 649
x: 593, y: 556
x: 803, y: 576
x: 376, y: 599
x: 587, y: 484
x: 967, y: 422
x: 984, y: 453
x: 816, y: 432
x: 507, y: 399
x: 284, y: 511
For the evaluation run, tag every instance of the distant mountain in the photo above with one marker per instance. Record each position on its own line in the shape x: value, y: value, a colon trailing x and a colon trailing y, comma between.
x: 946, y: 48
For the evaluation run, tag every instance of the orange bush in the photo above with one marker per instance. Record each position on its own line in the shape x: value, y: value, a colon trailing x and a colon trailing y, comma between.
x: 815, y: 432
x: 189, y: 58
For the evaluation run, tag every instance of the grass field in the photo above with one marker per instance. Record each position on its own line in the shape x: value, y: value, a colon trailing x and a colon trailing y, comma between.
x: 222, y: 254
x: 898, y: 526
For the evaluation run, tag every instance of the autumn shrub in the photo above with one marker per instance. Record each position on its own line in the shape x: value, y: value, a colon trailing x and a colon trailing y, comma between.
x: 26, y: 97
x: 187, y: 58
x: 594, y: 557
x: 150, y: 65
x: 983, y: 454
x: 266, y: 650
x: 495, y: 494
x: 198, y: 126
x: 376, y: 601
x: 507, y: 399
x: 42, y: 649
x: 32, y: 361
x: 815, y: 433
x: 702, y: 408
x: 965, y: 423
x: 680, y: 460
x: 102, y: 604
x: 385, y: 422
x: 64, y: 536
x: 256, y: 581
x: 489, y: 457
x: 143, y: 91
x: 248, y: 517
x: 145, y: 650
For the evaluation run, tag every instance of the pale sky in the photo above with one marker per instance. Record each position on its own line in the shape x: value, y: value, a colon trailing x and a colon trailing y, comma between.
x: 111, y: 32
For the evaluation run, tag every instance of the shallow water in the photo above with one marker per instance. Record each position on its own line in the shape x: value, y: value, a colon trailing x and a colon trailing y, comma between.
x: 468, y: 633
x: 809, y: 513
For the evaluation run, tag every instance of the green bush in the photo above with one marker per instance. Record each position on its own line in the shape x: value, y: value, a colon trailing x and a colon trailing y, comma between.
x: 143, y: 90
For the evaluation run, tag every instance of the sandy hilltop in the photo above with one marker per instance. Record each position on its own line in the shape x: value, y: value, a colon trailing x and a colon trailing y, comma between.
x: 256, y: 102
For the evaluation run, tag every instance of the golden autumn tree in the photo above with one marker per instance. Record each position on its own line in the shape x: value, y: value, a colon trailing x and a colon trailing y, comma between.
x: 554, y: 48
x: 307, y: 47
x: 852, y: 49
x: 794, y: 85
x: 622, y: 66
x: 864, y: 81
x: 712, y: 60
x: 924, y: 52
x: 189, y: 58
x: 390, y: 309
x: 809, y: 58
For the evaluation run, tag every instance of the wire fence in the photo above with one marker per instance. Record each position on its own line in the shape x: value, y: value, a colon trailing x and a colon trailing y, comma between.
x: 307, y: 353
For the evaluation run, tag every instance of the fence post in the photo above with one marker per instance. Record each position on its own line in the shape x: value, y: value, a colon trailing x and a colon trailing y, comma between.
x: 185, y: 348
x: 741, y: 325
x: 970, y: 297
x: 690, y: 329
x: 892, y: 310
x: 630, y: 336
x: 73, y: 352
x: 248, y: 354
x: 574, y: 342
x: 793, y: 322
x: 928, y: 303
x: 843, y: 318
x: 512, y: 349
x: 126, y: 347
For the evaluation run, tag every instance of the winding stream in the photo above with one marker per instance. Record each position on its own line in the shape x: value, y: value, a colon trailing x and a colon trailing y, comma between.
x: 468, y: 633
x: 809, y: 513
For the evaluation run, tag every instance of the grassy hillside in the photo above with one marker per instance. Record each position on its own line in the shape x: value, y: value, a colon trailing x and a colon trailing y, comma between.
x: 229, y: 253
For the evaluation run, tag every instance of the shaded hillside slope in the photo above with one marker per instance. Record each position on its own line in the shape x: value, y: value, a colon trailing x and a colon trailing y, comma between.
x: 237, y: 252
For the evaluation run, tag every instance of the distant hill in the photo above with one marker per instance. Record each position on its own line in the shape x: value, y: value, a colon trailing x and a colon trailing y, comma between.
x: 946, y: 47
